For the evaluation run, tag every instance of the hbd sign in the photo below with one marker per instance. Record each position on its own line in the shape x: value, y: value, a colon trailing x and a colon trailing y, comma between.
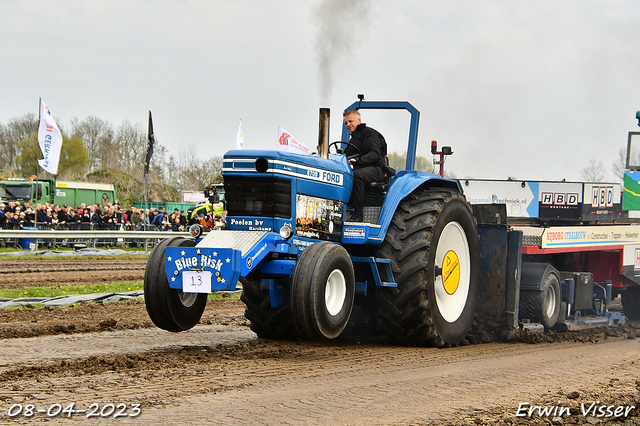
x: 559, y: 199
x: 602, y: 196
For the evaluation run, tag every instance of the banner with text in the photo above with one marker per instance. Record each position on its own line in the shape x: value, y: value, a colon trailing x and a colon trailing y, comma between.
x: 289, y: 144
x: 50, y: 140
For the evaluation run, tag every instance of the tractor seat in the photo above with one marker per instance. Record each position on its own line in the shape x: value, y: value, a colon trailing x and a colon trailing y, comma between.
x: 374, y: 194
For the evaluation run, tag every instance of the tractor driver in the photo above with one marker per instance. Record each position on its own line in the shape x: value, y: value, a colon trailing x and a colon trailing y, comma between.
x: 371, y: 164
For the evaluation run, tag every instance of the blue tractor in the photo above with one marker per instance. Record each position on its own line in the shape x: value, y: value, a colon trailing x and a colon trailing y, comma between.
x: 410, y: 270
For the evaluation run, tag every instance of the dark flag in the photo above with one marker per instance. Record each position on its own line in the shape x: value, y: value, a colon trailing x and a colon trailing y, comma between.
x: 152, y: 140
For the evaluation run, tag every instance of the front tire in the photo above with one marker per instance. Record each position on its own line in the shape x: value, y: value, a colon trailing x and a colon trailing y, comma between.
x: 322, y: 291
x: 434, y: 249
x: 170, y: 309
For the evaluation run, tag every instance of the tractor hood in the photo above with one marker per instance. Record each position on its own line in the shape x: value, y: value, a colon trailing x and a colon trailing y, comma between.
x: 296, y: 165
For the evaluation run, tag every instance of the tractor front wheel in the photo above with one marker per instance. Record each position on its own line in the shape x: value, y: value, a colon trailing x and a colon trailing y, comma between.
x: 170, y: 309
x: 322, y: 291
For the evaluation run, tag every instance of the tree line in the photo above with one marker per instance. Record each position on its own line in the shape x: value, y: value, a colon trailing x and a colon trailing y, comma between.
x: 93, y: 144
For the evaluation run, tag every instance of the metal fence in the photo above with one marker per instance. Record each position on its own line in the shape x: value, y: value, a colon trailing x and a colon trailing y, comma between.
x: 82, y: 235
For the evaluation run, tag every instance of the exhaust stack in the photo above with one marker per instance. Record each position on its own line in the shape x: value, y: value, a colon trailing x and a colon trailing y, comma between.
x: 323, y: 133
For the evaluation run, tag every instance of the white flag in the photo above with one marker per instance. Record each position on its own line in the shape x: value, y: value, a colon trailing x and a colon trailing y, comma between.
x: 239, y: 137
x: 50, y: 140
x: 288, y: 143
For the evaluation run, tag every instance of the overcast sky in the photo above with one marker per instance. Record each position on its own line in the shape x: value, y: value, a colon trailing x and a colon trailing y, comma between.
x: 523, y: 89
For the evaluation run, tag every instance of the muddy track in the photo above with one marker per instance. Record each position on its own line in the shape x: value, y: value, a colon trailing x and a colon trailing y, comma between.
x: 221, y: 373
x: 17, y: 273
x: 225, y: 375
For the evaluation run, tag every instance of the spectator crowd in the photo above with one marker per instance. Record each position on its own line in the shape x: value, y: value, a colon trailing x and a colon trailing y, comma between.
x: 16, y: 215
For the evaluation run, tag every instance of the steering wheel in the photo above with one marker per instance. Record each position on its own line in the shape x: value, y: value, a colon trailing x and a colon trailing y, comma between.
x: 355, y: 157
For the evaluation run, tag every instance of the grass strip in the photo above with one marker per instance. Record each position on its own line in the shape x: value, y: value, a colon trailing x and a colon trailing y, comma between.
x: 56, y: 291
x: 65, y: 290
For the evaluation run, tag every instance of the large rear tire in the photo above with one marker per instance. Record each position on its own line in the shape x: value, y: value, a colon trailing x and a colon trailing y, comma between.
x: 267, y: 322
x: 434, y: 249
x: 170, y: 309
x: 322, y: 291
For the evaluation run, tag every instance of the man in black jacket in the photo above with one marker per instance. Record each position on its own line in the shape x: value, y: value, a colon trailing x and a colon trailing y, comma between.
x: 370, y: 166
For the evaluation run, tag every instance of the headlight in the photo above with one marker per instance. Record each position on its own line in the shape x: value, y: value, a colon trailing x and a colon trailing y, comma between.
x: 195, y: 230
x: 286, y: 231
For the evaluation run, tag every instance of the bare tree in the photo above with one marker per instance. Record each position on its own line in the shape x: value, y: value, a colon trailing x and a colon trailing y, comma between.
x: 620, y: 164
x: 5, y: 161
x: 188, y: 165
x: 594, y: 172
x: 131, y: 143
x: 96, y: 134
x: 17, y: 130
x: 210, y: 172
x: 159, y: 165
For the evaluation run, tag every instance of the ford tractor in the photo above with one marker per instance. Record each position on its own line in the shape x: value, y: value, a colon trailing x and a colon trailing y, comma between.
x: 410, y: 270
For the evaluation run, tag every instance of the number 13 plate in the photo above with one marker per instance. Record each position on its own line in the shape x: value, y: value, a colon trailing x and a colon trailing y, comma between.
x: 196, y: 281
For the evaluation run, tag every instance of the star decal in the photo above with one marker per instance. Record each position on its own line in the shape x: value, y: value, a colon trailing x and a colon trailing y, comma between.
x: 228, y: 260
x: 182, y: 252
x: 215, y: 253
x: 198, y: 251
x: 223, y: 281
x: 173, y: 279
x: 169, y: 258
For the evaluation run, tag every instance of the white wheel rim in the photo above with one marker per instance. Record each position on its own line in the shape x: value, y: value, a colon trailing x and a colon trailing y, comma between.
x: 188, y: 299
x: 550, y: 301
x: 454, y: 259
x: 335, y: 292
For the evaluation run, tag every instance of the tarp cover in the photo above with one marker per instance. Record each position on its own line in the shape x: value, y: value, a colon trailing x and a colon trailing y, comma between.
x: 76, y: 298
x: 72, y: 298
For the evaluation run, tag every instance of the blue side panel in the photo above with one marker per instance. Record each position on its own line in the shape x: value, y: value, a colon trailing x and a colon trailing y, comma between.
x: 403, y: 184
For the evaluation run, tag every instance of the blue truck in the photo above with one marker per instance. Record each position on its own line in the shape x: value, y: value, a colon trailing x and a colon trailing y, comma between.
x: 423, y: 268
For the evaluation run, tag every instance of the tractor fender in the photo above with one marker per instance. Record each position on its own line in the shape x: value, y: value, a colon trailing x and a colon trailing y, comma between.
x: 405, y: 183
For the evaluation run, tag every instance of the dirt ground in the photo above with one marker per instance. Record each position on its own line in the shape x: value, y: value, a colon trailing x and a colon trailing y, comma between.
x: 110, y: 355
x: 51, y: 271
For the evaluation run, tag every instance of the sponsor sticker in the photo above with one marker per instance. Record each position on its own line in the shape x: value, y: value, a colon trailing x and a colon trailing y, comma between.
x: 451, y: 272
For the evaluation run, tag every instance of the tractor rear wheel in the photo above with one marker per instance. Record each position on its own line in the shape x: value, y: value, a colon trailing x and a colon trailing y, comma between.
x: 434, y: 249
x: 170, y: 309
x: 267, y: 322
x: 322, y: 291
